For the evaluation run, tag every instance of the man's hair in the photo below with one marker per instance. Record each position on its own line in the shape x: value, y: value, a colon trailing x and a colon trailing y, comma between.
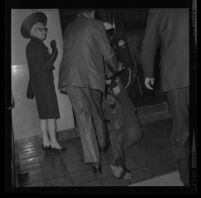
x: 87, y: 10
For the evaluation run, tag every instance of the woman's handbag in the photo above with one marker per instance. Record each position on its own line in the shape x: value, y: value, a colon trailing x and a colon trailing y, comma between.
x: 30, y: 94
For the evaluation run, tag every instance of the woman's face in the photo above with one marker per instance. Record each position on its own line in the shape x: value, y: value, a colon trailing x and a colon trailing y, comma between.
x: 39, y: 31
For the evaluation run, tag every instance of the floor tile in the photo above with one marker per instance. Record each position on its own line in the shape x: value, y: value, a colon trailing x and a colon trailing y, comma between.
x: 59, y: 181
x: 30, y: 167
x: 77, y: 143
x: 112, y: 181
x: 71, y: 149
x: 163, y: 155
x: 27, y: 154
x: 93, y: 183
x: 140, y: 174
x: 70, y: 153
x: 131, y: 164
x: 82, y: 177
x: 52, y: 173
x: 171, y: 179
x: 107, y: 158
x: 71, y: 158
x: 24, y: 142
x: 51, y: 162
x: 34, y: 172
x: 30, y: 149
x: 28, y: 161
x: 150, y: 157
x: 106, y: 172
x: 159, y: 169
x: 141, y: 156
x: 77, y: 167
x: 37, y: 184
x: 32, y: 179
x: 106, y: 161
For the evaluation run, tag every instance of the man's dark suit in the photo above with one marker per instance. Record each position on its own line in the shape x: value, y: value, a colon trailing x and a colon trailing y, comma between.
x: 169, y: 29
x: 82, y: 76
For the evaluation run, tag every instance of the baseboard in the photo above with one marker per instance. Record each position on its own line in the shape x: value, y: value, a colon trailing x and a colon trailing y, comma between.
x: 146, y: 114
x: 61, y: 136
x: 163, y: 115
x: 153, y: 113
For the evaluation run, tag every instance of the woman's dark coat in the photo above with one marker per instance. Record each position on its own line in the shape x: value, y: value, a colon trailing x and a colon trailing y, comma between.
x: 42, y: 80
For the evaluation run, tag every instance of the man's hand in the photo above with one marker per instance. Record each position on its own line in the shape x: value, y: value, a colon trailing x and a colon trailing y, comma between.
x: 120, y: 66
x: 149, y: 82
x: 54, y: 53
x: 53, y: 45
x: 122, y: 43
x: 116, y: 90
x: 108, y: 82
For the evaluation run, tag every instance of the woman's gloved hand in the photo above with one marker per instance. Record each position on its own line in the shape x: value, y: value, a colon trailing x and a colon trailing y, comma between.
x: 54, y: 53
x: 53, y: 45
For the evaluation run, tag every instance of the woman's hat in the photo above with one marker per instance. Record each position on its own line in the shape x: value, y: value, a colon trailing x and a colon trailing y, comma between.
x: 30, y: 21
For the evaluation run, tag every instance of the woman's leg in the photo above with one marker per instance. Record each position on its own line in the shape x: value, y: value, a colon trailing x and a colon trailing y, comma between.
x: 51, y: 125
x: 43, y: 126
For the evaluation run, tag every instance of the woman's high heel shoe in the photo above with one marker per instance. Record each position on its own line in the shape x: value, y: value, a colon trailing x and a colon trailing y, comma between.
x: 46, y: 148
x: 57, y: 149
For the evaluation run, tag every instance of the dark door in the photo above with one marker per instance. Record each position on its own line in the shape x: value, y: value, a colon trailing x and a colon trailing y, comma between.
x: 131, y: 24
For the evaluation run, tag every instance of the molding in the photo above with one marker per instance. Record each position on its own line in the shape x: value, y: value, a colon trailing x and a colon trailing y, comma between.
x: 61, y: 136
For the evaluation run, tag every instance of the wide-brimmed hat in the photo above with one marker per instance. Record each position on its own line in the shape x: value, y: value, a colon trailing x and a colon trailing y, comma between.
x: 30, y: 21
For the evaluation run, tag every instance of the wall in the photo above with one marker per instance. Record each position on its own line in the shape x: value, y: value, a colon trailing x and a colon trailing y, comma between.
x: 24, y: 115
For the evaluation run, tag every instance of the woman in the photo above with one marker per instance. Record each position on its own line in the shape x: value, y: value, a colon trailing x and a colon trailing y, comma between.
x: 40, y: 64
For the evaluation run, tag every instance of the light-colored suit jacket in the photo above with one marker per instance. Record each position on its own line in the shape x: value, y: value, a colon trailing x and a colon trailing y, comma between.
x: 86, y: 49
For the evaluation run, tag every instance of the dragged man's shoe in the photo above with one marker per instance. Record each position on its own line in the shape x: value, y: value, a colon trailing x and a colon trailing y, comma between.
x: 120, y: 172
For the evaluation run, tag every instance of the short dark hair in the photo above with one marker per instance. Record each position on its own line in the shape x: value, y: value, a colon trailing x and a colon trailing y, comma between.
x: 85, y: 10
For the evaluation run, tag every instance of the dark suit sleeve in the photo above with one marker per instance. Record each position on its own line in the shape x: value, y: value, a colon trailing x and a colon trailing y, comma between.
x: 39, y: 58
x: 105, y: 47
x: 151, y: 42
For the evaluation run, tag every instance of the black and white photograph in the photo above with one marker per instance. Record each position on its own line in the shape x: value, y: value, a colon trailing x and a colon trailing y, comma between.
x: 101, y: 97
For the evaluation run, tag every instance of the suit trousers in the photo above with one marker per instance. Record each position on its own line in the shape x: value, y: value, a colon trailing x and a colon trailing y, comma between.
x: 86, y: 104
x: 179, y: 106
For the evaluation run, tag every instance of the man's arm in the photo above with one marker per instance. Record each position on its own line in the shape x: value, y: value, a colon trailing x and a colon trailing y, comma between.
x: 105, y: 47
x: 151, y: 42
x: 150, y: 45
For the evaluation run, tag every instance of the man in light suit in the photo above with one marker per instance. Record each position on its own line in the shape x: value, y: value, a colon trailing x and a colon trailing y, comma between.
x: 169, y: 29
x: 82, y: 77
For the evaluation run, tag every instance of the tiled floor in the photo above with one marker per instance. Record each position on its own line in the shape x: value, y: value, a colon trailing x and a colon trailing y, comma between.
x: 146, y: 160
x: 170, y: 179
